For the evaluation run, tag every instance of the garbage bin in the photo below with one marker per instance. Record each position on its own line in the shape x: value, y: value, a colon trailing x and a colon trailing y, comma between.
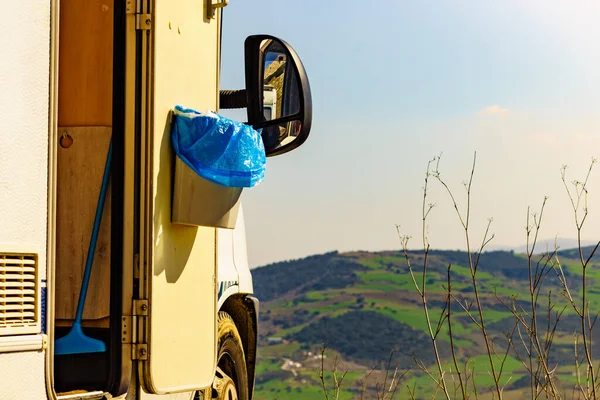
x: 198, y: 201
x: 216, y: 158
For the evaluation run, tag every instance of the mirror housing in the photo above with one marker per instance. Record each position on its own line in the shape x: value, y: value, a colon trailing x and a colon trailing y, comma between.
x: 277, y: 94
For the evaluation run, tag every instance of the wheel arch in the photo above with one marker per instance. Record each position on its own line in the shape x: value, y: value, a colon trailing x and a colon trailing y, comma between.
x: 243, y: 309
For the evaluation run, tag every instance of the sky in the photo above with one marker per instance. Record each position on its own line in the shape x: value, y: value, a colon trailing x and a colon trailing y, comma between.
x: 396, y: 83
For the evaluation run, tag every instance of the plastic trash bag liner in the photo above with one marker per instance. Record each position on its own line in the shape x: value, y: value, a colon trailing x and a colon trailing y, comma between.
x: 219, y: 149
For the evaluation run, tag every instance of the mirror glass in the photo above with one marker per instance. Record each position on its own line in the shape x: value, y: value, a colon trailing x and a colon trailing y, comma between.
x: 281, y: 91
x: 276, y: 136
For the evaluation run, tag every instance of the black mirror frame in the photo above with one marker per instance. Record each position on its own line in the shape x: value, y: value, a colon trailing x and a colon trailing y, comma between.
x: 254, y: 93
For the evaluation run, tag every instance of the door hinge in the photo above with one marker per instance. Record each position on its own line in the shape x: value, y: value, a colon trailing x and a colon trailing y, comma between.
x: 130, y: 323
x: 140, y: 307
x: 132, y: 329
x: 128, y: 329
x: 130, y: 7
x: 139, y: 351
x: 143, y: 22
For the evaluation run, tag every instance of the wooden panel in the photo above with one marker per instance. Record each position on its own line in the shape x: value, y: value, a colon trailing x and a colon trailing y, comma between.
x: 85, y: 63
x: 80, y: 170
x: 88, y: 323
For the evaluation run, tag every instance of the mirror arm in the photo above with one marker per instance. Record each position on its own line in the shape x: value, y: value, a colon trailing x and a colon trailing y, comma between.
x: 229, y: 99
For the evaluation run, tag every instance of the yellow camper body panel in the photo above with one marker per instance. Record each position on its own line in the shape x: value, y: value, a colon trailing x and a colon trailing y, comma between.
x: 180, y: 60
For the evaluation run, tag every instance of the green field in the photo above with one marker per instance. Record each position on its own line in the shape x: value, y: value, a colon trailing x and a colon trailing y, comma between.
x: 333, y: 285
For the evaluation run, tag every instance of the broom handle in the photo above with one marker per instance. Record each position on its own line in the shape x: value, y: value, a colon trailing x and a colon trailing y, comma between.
x: 94, y: 238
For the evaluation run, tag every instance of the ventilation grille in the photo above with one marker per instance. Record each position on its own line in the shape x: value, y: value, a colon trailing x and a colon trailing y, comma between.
x: 18, y: 293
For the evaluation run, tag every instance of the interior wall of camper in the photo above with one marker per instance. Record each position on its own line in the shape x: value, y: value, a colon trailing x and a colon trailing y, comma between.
x: 85, y: 103
x: 85, y: 128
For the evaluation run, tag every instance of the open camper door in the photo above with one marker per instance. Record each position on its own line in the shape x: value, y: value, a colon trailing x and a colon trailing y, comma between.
x: 178, y: 63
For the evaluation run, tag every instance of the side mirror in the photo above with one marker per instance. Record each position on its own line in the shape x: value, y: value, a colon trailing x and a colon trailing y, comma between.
x: 277, y: 93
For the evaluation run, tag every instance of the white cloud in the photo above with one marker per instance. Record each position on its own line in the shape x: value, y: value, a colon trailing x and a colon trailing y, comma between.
x: 494, y: 111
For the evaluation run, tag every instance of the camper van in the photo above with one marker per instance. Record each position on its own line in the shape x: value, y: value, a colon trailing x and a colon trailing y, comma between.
x: 123, y: 272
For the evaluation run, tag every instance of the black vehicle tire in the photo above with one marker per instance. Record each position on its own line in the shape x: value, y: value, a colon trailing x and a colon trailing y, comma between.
x: 231, y: 376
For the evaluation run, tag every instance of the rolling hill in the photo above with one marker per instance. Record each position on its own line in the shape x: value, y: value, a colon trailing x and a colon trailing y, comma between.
x: 364, y: 305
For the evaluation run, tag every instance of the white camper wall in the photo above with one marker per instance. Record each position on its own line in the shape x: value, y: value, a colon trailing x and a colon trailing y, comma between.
x: 24, y: 103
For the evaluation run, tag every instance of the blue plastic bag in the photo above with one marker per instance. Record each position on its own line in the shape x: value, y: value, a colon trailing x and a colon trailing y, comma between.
x: 217, y: 148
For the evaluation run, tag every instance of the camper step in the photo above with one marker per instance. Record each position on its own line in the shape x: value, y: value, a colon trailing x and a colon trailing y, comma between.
x: 83, y: 395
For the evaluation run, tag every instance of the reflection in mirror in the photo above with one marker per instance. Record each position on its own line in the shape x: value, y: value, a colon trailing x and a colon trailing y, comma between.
x: 280, y: 135
x: 274, y: 78
x: 281, y: 97
x: 269, y: 102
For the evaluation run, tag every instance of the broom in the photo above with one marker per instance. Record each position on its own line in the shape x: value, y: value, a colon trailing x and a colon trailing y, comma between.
x: 76, y: 342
